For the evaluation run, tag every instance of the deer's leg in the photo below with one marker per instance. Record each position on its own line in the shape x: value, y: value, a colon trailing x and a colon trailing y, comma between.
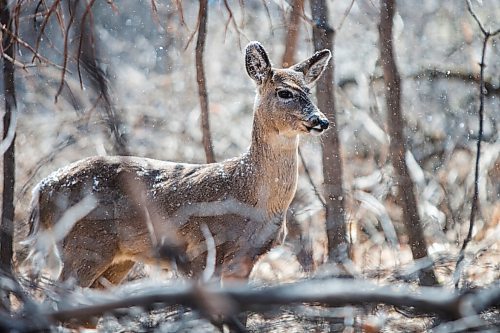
x: 89, y: 265
x: 88, y: 251
x: 115, y: 273
x: 236, y: 268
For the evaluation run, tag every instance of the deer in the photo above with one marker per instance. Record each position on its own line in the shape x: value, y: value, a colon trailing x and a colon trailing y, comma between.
x: 121, y: 208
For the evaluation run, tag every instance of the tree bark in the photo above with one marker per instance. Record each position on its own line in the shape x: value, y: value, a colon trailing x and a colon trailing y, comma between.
x: 406, y: 196
x: 292, y: 33
x: 323, y: 37
x: 200, y: 78
x: 7, y: 226
x: 296, y: 235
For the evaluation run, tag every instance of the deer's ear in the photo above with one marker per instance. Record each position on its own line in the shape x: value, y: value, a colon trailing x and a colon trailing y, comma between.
x: 313, y: 67
x: 257, y: 62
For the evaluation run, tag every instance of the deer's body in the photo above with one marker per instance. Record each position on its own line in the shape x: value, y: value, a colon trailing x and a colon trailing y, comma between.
x: 139, y: 201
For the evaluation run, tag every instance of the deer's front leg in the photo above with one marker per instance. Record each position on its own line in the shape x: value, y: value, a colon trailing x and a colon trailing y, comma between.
x: 236, y: 268
x: 257, y: 239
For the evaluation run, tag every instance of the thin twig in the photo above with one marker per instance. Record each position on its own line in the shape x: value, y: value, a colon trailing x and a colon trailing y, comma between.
x: 65, y: 57
x: 68, y: 141
x: 268, y: 14
x: 9, y: 132
x: 346, y: 13
x: 80, y: 43
x: 231, y: 18
x: 309, y: 178
x: 154, y: 12
x: 487, y: 34
x: 21, y: 42
x: 51, y: 10
x: 180, y: 10
x: 16, y: 62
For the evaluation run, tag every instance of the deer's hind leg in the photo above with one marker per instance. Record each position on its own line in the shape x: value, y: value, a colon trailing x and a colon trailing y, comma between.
x: 114, y: 274
x: 89, y: 251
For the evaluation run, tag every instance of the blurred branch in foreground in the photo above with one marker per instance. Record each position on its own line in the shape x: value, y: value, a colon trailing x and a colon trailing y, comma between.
x: 448, y: 305
x: 406, y: 194
x: 486, y: 36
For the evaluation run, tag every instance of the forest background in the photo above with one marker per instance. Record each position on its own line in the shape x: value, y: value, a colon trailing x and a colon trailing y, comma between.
x: 131, y: 85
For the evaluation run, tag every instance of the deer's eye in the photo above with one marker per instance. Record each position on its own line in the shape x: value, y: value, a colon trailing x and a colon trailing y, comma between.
x: 285, y: 94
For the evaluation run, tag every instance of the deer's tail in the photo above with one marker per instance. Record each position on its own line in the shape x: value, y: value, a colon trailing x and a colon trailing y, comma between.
x: 34, y: 218
x: 43, y: 254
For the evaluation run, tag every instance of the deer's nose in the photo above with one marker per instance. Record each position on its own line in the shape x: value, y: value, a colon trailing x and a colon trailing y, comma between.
x: 320, y: 123
x: 324, y: 123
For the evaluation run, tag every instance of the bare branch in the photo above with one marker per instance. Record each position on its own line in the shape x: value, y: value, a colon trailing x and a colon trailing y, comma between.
x: 66, y: 46
x: 80, y: 44
x: 448, y: 305
x: 209, y: 270
x: 200, y: 78
x: 309, y: 178
x: 66, y: 142
x: 180, y: 10
x: 435, y: 73
x: 469, y: 8
x: 232, y: 20
x: 9, y: 132
x: 268, y: 14
x: 30, y: 48
x: 16, y: 62
x: 460, y: 262
x: 154, y: 11
x: 346, y: 13
x: 51, y: 10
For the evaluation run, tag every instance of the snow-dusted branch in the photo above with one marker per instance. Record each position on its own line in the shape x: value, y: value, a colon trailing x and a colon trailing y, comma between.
x: 446, y: 304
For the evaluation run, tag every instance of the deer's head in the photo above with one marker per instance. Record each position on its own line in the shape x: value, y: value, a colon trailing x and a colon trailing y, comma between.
x: 283, y: 99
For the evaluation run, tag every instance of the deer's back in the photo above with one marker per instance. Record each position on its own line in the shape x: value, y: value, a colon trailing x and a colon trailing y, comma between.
x: 118, y: 183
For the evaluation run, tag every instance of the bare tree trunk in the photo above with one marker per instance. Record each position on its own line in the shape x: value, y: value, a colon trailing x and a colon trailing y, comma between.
x: 9, y: 167
x: 296, y: 236
x: 406, y: 195
x: 200, y: 78
x: 293, y: 33
x: 323, y: 36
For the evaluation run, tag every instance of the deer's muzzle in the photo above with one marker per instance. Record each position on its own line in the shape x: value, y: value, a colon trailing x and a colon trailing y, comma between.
x: 317, y: 124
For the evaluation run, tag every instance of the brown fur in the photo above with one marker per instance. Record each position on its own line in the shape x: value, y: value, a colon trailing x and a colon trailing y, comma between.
x: 242, y: 201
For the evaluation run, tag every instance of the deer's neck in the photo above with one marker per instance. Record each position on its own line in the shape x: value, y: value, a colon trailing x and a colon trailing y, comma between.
x: 273, y: 158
